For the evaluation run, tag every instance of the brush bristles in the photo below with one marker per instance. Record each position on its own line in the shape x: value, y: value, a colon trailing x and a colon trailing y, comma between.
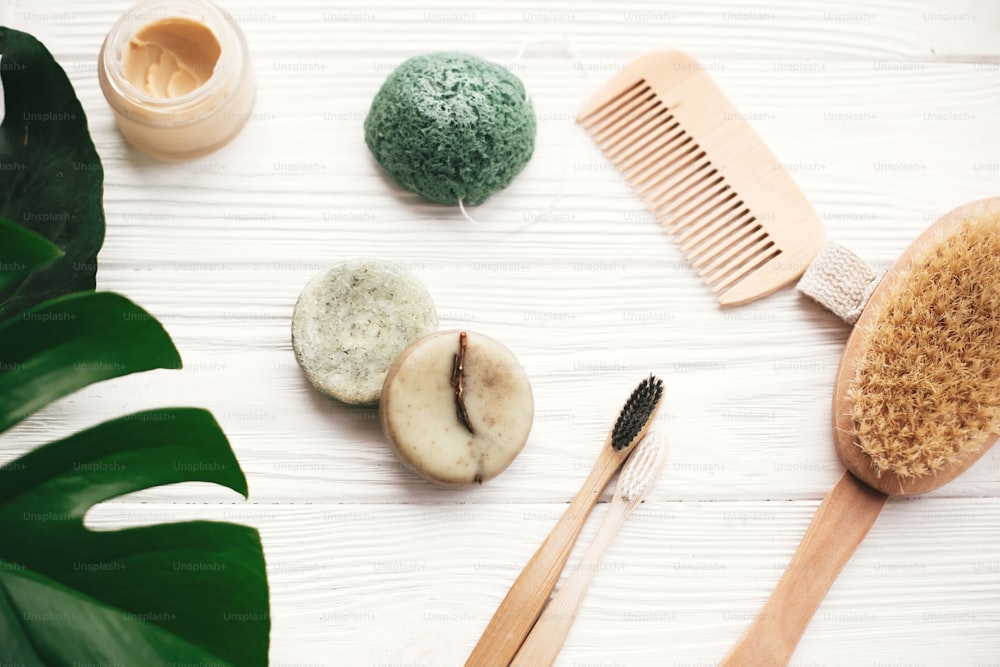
x: 637, y: 412
x: 927, y: 388
x: 642, y: 467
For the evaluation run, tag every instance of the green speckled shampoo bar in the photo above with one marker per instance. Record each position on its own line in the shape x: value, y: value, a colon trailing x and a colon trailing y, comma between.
x: 352, y: 321
x: 451, y: 126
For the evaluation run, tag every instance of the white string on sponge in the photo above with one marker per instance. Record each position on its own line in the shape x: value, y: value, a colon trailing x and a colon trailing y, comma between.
x: 840, y: 281
x: 530, y: 41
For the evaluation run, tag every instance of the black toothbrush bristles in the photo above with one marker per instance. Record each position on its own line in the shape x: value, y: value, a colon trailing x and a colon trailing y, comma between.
x: 637, y: 412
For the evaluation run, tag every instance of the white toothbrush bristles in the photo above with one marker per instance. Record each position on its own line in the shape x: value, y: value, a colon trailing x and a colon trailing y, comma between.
x: 642, y: 467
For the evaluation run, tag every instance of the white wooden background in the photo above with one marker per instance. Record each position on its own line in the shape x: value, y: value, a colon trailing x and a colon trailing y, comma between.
x: 885, y: 112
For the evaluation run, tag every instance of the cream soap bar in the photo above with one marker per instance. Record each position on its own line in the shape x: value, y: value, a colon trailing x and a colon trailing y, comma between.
x: 457, y: 407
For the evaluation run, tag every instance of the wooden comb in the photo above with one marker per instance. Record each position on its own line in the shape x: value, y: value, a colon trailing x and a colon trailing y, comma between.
x: 705, y: 175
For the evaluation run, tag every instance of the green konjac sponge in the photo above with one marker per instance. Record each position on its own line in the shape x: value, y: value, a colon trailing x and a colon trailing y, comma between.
x: 451, y: 126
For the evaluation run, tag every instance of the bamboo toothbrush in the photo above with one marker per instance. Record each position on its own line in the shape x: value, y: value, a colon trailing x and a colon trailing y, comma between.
x: 916, y: 403
x: 523, y: 603
x: 637, y: 477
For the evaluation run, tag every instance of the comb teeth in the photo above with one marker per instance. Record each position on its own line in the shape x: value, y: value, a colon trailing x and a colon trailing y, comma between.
x: 637, y: 412
x: 705, y: 175
x: 681, y: 187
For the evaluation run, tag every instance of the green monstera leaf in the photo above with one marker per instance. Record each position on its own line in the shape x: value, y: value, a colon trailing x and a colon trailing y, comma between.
x: 181, y: 593
x: 191, y: 593
x: 52, y: 178
x: 22, y: 254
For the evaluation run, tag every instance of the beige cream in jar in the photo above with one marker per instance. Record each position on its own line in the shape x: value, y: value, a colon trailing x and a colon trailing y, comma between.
x: 177, y: 76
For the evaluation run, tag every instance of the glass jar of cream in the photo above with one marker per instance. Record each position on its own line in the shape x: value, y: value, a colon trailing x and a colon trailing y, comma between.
x: 177, y: 76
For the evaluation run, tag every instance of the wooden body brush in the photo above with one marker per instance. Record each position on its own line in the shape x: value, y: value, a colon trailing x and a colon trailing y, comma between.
x: 519, y: 610
x: 916, y: 403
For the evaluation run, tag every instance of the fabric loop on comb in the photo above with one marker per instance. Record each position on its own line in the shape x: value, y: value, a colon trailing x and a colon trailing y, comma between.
x: 840, y: 281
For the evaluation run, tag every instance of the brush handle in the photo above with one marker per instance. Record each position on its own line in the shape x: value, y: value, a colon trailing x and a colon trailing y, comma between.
x: 841, y: 522
x: 542, y: 646
x: 519, y: 610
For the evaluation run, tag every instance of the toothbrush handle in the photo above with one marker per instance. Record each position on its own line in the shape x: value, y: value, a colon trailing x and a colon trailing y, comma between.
x: 517, y: 613
x: 841, y: 522
x: 546, y: 639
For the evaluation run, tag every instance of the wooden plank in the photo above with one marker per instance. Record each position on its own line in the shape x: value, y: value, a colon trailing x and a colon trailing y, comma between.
x: 386, y: 584
x: 883, y: 112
